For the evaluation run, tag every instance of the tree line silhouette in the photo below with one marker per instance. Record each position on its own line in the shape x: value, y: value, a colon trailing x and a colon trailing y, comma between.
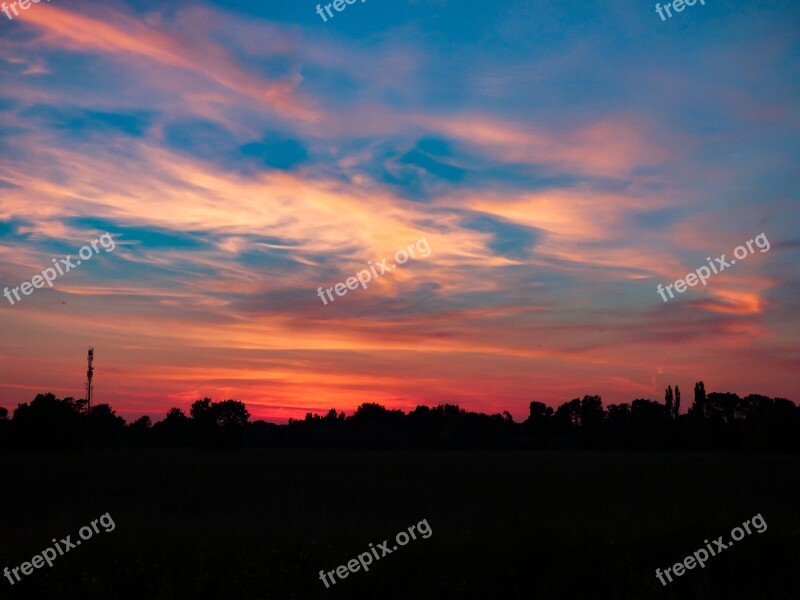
x: 722, y: 421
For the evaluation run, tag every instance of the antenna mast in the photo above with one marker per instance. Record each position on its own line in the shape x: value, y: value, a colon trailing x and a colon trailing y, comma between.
x: 89, y: 373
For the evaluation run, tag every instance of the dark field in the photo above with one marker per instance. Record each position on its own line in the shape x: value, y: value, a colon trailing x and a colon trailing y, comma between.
x: 261, y: 524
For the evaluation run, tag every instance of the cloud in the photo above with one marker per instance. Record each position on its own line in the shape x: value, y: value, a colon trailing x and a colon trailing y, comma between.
x: 155, y: 42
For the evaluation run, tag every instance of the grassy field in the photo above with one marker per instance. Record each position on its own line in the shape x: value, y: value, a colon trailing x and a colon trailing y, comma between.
x: 261, y: 524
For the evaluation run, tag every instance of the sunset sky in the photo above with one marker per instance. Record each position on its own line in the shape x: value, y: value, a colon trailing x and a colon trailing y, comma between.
x: 561, y: 158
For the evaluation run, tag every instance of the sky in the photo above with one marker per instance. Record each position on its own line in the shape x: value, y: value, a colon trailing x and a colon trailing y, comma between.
x: 560, y: 159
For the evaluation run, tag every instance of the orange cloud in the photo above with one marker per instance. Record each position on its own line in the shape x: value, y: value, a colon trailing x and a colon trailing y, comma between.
x: 733, y: 302
x: 610, y: 147
x: 120, y: 34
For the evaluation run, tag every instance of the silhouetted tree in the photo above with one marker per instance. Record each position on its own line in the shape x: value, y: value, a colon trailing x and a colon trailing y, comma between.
x: 539, y: 420
x: 668, y: 400
x: 568, y: 415
x: 203, y: 426
x: 105, y: 428
x: 78, y: 406
x: 749, y: 406
x: 375, y: 426
x: 230, y: 413
x: 230, y: 419
x: 677, y: 406
x: 426, y: 426
x: 176, y: 414
x: 722, y: 406
x: 539, y: 413
x: 219, y: 424
x: 334, y: 418
x: 647, y: 412
x: 47, y: 423
x: 619, y: 415
x: 698, y: 409
x: 138, y: 432
x: 142, y: 423
x: 201, y: 409
x: 174, y: 430
x: 591, y: 411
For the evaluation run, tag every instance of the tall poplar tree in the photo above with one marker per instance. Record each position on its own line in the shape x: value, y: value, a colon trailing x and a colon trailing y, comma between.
x: 668, y: 400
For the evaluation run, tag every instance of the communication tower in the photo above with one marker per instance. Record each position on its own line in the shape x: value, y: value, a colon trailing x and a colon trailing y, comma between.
x: 89, y: 373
